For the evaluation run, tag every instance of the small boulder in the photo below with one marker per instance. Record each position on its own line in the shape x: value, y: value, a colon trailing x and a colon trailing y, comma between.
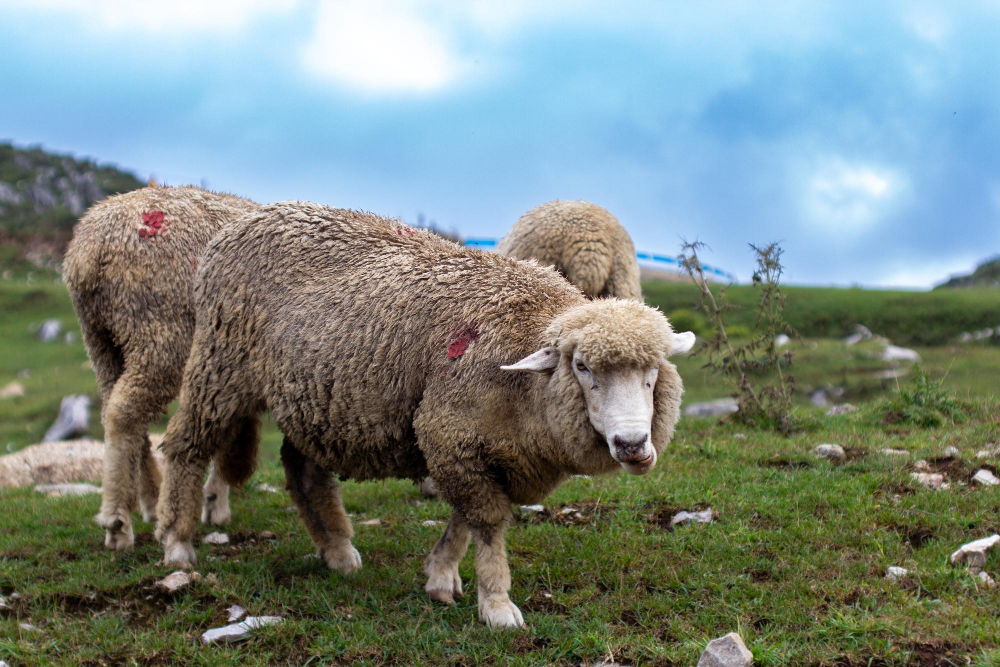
x: 896, y: 353
x: 985, y: 477
x: 62, y: 490
x: 895, y: 574
x: 986, y: 580
x: 238, y: 631
x: 27, y: 627
x: 933, y: 480
x: 236, y: 612
x: 371, y: 522
x: 428, y: 487
x: 951, y: 453
x: 888, y: 451
x: 49, y: 330
x: 686, y: 518
x: 12, y: 389
x: 174, y: 582
x: 861, y: 332
x: 267, y: 487
x: 215, y: 538
x: 723, y: 406
x: 842, y: 409
x: 267, y: 535
x: 430, y: 523
x: 73, y: 419
x: 728, y: 651
x: 973, y: 554
x: 832, y: 452
x: 781, y: 340
x: 532, y: 508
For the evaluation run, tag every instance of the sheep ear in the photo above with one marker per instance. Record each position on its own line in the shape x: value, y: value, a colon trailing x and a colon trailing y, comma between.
x: 681, y: 343
x: 545, y: 359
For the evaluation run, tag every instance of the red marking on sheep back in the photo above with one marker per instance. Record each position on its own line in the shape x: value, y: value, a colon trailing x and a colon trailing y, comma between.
x: 467, y: 335
x: 404, y: 230
x: 155, y: 223
x: 153, y: 218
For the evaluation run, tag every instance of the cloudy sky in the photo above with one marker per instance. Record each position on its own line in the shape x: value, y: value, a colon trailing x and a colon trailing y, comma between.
x: 865, y: 136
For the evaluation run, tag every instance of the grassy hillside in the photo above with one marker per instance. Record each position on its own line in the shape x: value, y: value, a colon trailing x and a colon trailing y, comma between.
x: 907, y: 318
x: 986, y: 274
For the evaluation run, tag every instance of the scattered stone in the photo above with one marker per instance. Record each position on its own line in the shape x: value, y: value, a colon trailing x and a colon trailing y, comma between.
x: 12, y: 389
x: 895, y: 574
x: 991, y: 450
x: 686, y: 518
x: 896, y: 353
x: 62, y: 490
x: 921, y: 466
x: 236, y: 612
x: 371, y: 522
x: 973, y: 554
x: 49, y: 330
x: 952, y: 453
x: 861, y: 332
x: 267, y: 487
x: 215, y: 538
x: 740, y: 436
x: 823, y: 396
x: 175, y: 582
x: 27, y: 627
x: 986, y: 580
x: 781, y: 340
x: 723, y: 406
x: 267, y: 535
x: 728, y: 651
x: 888, y: 451
x: 933, y: 480
x: 430, y: 523
x: 238, y: 631
x: 428, y: 487
x: 842, y: 409
x: 832, y: 452
x: 4, y: 606
x: 985, y: 477
x: 532, y: 508
x: 73, y: 419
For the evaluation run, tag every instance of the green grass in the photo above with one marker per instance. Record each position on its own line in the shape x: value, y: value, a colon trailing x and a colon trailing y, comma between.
x: 794, y: 562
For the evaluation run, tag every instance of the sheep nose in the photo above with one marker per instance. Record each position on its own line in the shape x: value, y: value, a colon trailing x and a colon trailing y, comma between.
x: 631, y: 448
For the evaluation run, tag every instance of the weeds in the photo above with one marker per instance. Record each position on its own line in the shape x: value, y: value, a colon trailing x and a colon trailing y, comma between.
x: 926, y: 403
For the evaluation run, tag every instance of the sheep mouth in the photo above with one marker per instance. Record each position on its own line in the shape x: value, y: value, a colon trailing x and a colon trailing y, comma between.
x: 642, y: 466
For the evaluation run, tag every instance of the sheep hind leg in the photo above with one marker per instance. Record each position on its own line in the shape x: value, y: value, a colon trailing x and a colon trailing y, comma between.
x: 149, y: 483
x: 231, y: 465
x: 444, y: 583
x: 317, y: 495
x: 215, y: 510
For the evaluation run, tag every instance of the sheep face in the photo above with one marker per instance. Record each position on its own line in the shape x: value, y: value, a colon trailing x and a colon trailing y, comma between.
x: 610, y: 357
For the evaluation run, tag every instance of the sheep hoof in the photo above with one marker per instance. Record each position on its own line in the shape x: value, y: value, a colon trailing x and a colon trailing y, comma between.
x: 119, y: 536
x: 180, y: 554
x: 497, y: 611
x: 215, y: 511
x: 445, y: 586
x: 344, y: 559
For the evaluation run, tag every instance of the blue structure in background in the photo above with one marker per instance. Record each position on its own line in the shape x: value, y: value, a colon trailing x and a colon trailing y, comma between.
x: 489, y: 244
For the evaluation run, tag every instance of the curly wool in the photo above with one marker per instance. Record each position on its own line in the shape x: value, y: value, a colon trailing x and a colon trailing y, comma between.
x: 583, y: 241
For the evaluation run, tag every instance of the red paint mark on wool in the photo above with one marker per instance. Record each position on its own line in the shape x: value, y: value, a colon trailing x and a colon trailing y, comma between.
x: 404, y: 230
x: 155, y: 223
x: 467, y: 334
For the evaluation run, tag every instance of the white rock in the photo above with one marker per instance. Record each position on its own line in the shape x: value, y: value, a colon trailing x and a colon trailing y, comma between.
x: 532, y: 508
x: 921, y: 466
x: 685, y: 517
x: 934, y: 480
x: 174, y: 582
x: 73, y: 419
x: 728, y: 651
x: 430, y: 523
x: 569, y: 510
x: 842, y: 409
x: 973, y: 554
x: 238, y: 631
x: 888, y: 451
x: 896, y: 353
x: 991, y: 450
x: 986, y: 580
x: 371, y: 522
x: 267, y: 487
x: 828, y: 451
x: 861, y: 332
x: 60, y: 490
x: 428, y: 487
x: 723, y: 406
x: 740, y: 436
x: 27, y: 627
x: 236, y: 612
x: 12, y: 390
x: 952, y: 453
x: 215, y: 538
x: 985, y: 478
x: 49, y: 330
x: 4, y: 606
x: 781, y: 340
x: 895, y: 574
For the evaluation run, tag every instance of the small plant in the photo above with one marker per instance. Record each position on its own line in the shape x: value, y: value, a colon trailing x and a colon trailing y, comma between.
x: 925, y: 402
x: 767, y: 400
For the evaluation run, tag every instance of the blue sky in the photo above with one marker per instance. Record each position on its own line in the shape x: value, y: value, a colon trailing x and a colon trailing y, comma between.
x: 865, y: 136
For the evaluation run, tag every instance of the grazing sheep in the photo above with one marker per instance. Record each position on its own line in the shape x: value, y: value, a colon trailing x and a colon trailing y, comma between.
x: 583, y: 241
x: 385, y: 351
x: 130, y: 271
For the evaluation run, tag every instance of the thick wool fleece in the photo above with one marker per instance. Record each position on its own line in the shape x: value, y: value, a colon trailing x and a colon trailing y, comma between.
x: 377, y: 349
x: 130, y: 271
x: 583, y: 241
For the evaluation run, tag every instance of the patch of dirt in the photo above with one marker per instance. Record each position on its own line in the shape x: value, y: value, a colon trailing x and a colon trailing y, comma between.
x: 524, y: 643
x: 939, y: 654
x: 587, y: 512
x: 853, y: 453
x: 915, y: 536
x: 890, y: 490
x: 784, y: 463
x: 543, y: 602
x: 140, y: 604
x: 662, y: 514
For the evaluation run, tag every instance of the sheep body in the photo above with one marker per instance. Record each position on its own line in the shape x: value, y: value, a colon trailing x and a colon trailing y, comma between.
x: 583, y: 241
x: 377, y: 349
x: 130, y: 271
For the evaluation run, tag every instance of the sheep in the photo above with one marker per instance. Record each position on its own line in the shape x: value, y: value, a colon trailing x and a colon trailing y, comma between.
x: 583, y: 241
x: 384, y: 351
x: 130, y: 271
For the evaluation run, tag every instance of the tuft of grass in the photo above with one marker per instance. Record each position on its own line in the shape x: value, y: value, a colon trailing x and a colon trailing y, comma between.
x: 924, y: 402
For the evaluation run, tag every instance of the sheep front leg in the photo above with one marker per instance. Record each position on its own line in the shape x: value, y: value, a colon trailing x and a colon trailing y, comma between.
x: 177, y: 511
x: 495, y: 607
x: 443, y: 581
x: 215, y: 511
x: 317, y: 495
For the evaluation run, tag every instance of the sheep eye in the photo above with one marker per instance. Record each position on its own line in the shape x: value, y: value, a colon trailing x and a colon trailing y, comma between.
x: 580, y: 366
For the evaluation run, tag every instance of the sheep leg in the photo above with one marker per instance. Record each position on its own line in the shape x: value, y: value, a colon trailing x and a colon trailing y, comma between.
x: 215, y: 511
x: 149, y: 483
x: 495, y: 607
x: 317, y: 495
x: 444, y: 584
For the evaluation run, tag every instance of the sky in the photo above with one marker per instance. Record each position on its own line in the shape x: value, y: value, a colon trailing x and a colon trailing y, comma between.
x: 863, y: 136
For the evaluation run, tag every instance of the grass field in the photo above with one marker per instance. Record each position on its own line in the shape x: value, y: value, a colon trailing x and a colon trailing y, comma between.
x: 794, y: 562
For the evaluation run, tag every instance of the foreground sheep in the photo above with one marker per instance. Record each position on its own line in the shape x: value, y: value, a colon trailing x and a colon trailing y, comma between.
x: 384, y: 351
x: 130, y: 272
x: 583, y: 241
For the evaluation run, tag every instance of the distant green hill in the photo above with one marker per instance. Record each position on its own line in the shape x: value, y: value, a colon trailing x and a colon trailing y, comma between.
x: 42, y: 194
x: 986, y: 274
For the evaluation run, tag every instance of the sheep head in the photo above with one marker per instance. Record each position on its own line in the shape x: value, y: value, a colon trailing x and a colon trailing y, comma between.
x: 611, y: 356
